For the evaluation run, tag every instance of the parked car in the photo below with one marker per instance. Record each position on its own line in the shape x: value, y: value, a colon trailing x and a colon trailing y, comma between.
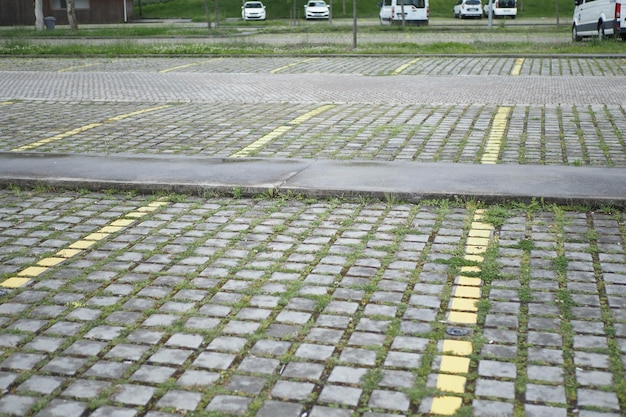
x: 501, y: 8
x: 316, y: 9
x: 253, y: 10
x: 468, y: 8
x: 416, y: 12
x: 600, y: 18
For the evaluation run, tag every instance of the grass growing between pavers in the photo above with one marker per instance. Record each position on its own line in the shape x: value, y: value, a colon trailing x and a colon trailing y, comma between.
x: 278, y: 300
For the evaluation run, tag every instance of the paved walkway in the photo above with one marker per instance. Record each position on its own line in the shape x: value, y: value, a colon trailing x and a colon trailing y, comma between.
x: 252, y: 295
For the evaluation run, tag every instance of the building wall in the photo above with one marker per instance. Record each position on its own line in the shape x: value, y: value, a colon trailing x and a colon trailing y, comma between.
x: 17, y: 12
x: 21, y: 12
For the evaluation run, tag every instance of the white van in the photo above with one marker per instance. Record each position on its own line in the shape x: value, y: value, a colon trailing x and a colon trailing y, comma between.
x: 501, y: 8
x: 599, y: 18
x: 416, y: 12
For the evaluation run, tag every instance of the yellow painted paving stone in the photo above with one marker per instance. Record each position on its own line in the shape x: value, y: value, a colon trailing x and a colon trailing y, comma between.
x: 52, y: 261
x: 454, y: 364
x: 445, y: 405
x: 475, y: 250
x: 135, y: 214
x: 97, y: 236
x: 474, y: 258
x: 477, y: 241
x: 32, y: 271
x: 82, y: 244
x: 451, y: 383
x: 463, y: 304
x: 457, y: 347
x: 68, y: 253
x: 479, y: 233
x: 468, y: 281
x: 466, y: 292
x: 122, y: 223
x: 481, y: 225
x: 147, y: 208
x: 461, y: 317
x: 471, y: 268
x: 110, y: 229
x: 15, y: 282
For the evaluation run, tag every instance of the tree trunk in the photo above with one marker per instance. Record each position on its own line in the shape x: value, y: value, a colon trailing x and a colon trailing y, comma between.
x: 39, y: 23
x: 71, y: 15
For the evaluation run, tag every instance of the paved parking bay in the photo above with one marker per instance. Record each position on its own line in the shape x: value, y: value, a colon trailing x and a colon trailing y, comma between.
x: 118, y: 303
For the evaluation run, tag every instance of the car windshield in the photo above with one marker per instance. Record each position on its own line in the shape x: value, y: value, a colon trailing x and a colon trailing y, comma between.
x: 317, y: 4
x: 420, y: 4
x: 507, y: 3
x: 254, y: 6
x: 472, y: 2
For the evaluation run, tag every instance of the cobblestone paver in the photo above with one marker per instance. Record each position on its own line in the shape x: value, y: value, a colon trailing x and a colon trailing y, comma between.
x: 548, y: 134
x: 285, y: 307
x: 363, y: 65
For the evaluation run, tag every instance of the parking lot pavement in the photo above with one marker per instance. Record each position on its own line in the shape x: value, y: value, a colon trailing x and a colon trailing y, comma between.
x: 119, y: 303
x: 131, y: 305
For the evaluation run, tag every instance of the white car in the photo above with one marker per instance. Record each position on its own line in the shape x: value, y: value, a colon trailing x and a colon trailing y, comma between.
x: 599, y: 18
x: 501, y: 8
x: 316, y: 9
x: 253, y: 10
x: 468, y: 8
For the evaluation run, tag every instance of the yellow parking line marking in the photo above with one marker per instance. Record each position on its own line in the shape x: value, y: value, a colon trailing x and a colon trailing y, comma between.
x: 6, y: 103
x: 517, y: 67
x: 404, y: 66
x: 498, y: 127
x: 44, y: 264
x: 279, y: 131
x: 446, y: 405
x: 187, y: 65
x: 135, y: 113
x: 462, y: 310
x: 451, y: 383
x: 293, y: 64
x: 81, y: 129
x: 79, y: 66
x: 15, y: 282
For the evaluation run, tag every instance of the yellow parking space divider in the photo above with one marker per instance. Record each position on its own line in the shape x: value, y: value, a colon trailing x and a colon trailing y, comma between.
x: 79, y: 67
x: 451, y: 383
x: 446, y: 405
x: 188, y: 65
x: 279, y: 131
x: 498, y: 128
x: 43, y: 265
x: 81, y: 129
x: 32, y: 271
x: 404, y: 66
x: 49, y: 262
x: 462, y: 311
x: 293, y: 64
x: 15, y: 282
x: 517, y: 67
x: 82, y: 244
x: 454, y: 364
x: 6, y: 103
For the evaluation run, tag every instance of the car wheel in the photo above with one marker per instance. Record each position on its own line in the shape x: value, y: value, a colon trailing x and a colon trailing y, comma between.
x: 601, y: 35
x: 575, y: 37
